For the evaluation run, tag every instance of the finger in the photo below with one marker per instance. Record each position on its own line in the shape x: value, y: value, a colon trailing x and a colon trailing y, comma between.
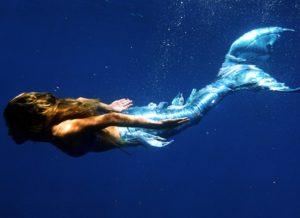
x: 120, y: 100
x: 183, y: 121
x: 127, y: 106
x: 124, y: 99
x: 127, y: 103
x: 180, y: 119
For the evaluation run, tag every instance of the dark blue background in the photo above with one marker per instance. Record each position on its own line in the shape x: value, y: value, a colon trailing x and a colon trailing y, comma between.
x: 241, y: 161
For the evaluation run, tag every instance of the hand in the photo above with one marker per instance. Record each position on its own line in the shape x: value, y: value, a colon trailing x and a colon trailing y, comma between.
x: 171, y: 123
x: 120, y: 105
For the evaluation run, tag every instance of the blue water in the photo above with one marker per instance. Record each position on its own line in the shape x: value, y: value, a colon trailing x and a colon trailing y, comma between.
x: 242, y: 161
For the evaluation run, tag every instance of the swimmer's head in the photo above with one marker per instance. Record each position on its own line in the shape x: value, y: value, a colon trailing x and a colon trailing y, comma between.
x: 31, y: 115
x: 27, y: 115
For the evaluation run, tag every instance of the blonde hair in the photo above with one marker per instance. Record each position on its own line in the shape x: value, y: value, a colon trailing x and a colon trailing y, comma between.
x: 34, y: 113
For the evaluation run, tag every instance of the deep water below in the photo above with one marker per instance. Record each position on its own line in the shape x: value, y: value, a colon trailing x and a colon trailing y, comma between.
x: 242, y: 160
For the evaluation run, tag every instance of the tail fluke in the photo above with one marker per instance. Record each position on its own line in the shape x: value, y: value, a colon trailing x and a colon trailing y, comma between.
x: 241, y: 68
x: 254, y: 47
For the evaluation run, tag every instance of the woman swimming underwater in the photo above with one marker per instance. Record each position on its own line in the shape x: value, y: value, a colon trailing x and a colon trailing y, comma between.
x: 77, y: 126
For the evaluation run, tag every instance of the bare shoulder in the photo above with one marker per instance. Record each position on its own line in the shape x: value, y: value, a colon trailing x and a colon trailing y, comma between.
x: 68, y: 138
x: 66, y: 128
x: 77, y: 127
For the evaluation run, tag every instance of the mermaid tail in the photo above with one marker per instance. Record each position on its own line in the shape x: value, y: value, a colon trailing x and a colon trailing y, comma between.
x: 254, y: 47
x: 240, y: 70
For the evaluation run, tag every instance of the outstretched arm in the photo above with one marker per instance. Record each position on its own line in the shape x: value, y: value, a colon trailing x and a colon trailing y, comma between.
x: 79, y: 126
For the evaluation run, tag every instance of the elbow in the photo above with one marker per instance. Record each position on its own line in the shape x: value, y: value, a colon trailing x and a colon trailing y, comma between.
x: 112, y: 119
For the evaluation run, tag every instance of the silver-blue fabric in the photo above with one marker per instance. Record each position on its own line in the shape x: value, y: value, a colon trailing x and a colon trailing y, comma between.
x: 240, y: 70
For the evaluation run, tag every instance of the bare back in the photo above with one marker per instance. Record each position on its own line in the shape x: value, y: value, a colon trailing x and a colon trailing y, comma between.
x: 89, y: 141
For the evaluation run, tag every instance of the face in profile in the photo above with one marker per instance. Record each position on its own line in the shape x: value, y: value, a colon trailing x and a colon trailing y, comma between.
x: 18, y: 136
